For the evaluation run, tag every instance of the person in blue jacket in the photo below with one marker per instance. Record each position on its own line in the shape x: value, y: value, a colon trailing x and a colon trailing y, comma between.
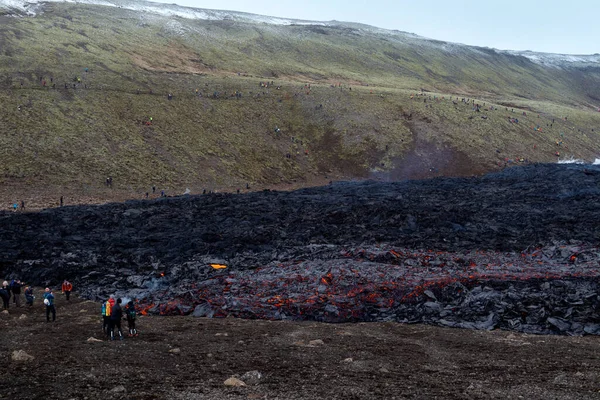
x: 29, y: 297
x: 49, y: 303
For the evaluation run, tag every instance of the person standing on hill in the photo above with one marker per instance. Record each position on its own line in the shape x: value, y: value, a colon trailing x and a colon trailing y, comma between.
x: 6, y: 287
x: 116, y: 314
x: 130, y: 313
x: 108, y: 312
x: 67, y: 287
x: 4, y: 294
x: 49, y: 303
x: 106, y: 307
x: 29, y: 295
x: 15, y: 287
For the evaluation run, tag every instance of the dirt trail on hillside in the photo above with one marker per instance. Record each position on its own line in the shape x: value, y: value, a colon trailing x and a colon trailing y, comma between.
x: 38, y: 196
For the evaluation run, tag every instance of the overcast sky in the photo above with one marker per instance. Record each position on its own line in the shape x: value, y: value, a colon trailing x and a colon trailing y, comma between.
x: 554, y: 26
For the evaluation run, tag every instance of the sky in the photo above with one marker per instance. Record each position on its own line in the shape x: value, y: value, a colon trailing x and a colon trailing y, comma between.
x: 552, y: 26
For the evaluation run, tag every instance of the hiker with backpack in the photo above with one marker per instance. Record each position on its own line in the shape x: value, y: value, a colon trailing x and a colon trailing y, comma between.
x: 131, y: 314
x: 106, y: 313
x: 105, y: 316
x: 49, y: 303
x: 116, y: 314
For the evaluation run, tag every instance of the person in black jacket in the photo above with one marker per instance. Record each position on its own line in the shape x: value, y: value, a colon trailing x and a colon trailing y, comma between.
x: 29, y: 295
x: 5, y: 297
x: 16, y: 290
x: 130, y: 313
x: 5, y: 294
x: 116, y: 314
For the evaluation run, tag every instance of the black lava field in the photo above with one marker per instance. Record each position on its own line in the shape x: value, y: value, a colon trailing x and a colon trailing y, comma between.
x: 513, y: 250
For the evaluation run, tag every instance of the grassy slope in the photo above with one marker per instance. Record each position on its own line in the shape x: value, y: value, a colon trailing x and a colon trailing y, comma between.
x: 82, y: 135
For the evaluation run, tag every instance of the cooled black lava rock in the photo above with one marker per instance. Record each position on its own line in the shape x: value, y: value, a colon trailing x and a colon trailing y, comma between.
x: 150, y: 245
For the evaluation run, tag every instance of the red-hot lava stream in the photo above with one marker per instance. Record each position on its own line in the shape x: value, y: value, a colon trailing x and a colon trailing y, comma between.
x: 364, y: 284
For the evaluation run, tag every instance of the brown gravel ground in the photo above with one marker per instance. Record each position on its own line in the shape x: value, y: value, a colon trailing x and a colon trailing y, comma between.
x: 190, y: 358
x: 38, y: 196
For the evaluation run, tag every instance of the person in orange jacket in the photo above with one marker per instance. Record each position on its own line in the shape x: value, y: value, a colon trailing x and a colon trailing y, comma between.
x: 67, y: 287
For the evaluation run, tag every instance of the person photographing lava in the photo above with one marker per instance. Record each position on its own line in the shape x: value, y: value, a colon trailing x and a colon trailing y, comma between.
x: 130, y: 313
x: 116, y: 314
x: 106, y: 314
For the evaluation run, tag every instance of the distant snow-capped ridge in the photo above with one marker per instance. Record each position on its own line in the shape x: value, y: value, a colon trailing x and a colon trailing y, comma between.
x: 33, y: 7
x: 558, y: 60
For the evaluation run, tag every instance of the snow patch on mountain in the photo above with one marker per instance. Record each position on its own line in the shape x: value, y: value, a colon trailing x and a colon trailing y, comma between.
x: 33, y: 7
x: 559, y: 60
x: 169, y: 10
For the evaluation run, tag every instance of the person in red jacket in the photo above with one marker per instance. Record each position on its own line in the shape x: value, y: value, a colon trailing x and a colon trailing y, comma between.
x: 111, y: 300
x: 66, y: 288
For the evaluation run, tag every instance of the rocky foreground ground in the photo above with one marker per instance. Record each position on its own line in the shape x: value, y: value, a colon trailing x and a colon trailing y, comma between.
x: 191, y: 358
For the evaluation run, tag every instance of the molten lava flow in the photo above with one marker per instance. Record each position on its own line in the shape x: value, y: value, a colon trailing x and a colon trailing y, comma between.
x: 218, y: 266
x: 373, y: 284
x: 144, y: 309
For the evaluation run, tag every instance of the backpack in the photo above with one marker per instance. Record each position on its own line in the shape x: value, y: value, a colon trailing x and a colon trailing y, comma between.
x: 131, y: 312
x: 107, y: 309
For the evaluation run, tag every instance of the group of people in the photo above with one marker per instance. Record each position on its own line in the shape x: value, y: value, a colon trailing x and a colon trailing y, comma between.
x: 112, y: 311
x: 112, y: 314
x: 13, y: 290
x: 15, y: 206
